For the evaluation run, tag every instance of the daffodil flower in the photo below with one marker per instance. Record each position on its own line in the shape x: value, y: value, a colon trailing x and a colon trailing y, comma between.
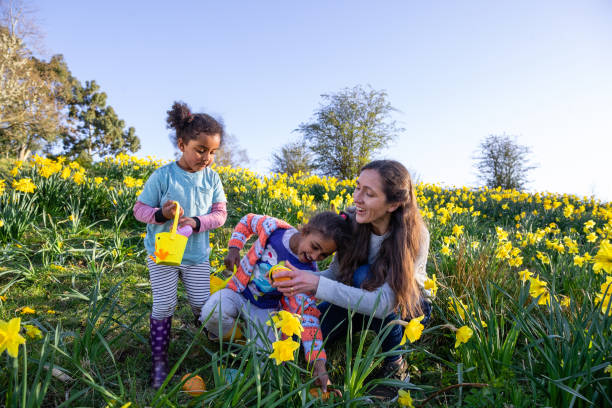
x: 463, y: 335
x: 10, y: 339
x: 32, y: 331
x: 27, y: 310
x: 404, y: 399
x: 413, y: 330
x: 284, y: 350
x: 603, y: 258
x: 288, y: 323
x: 432, y: 285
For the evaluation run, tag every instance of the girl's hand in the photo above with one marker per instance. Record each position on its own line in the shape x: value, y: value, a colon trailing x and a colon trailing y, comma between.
x: 169, y: 209
x: 186, y: 221
x: 232, y: 259
x: 300, y: 281
x: 322, y: 378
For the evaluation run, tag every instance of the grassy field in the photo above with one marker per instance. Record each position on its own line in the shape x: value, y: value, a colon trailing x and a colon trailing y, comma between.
x: 530, y: 276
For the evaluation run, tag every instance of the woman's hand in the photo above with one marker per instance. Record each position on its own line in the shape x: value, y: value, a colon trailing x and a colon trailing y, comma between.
x: 169, y: 210
x: 300, y: 281
x: 232, y: 259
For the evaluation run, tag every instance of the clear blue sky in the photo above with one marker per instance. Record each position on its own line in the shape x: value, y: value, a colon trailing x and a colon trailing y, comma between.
x: 457, y: 71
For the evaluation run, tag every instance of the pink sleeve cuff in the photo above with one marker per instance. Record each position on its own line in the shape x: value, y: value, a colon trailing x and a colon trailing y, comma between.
x: 215, y: 219
x: 144, y: 213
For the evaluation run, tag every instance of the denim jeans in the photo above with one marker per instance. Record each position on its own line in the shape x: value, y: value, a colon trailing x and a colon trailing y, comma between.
x: 332, y: 316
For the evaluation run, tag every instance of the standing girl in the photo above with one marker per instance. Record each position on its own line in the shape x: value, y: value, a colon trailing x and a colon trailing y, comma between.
x: 197, y: 188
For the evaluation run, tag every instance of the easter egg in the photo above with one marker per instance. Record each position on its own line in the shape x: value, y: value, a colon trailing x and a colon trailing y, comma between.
x: 236, y: 333
x: 277, y: 268
x: 194, y: 386
x: 315, y: 392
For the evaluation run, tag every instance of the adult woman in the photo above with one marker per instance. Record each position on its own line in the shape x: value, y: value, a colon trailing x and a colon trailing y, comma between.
x: 384, y: 271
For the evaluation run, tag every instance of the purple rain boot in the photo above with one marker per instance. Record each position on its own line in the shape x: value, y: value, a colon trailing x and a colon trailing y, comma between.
x: 159, y: 341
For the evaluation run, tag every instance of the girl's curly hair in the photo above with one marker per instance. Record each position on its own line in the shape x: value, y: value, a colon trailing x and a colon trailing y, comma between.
x: 188, y: 125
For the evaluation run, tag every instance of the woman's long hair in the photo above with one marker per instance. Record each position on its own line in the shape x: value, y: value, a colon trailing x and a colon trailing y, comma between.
x: 395, y: 261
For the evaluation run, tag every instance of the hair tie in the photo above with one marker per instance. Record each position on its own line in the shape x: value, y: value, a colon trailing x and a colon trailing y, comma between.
x: 189, y: 118
x: 343, y: 215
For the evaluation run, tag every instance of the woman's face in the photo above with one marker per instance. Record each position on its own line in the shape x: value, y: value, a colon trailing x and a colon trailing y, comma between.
x: 371, y: 202
x: 198, y: 153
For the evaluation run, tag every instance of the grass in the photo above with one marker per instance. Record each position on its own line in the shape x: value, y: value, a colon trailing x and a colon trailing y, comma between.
x: 79, y: 263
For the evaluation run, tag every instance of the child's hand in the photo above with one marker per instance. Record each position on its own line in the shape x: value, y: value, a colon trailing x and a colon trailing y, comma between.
x: 232, y: 259
x: 187, y: 221
x: 169, y: 209
x: 320, y: 373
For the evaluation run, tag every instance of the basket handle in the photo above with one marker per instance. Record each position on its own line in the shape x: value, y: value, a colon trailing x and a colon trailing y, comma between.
x: 176, y: 217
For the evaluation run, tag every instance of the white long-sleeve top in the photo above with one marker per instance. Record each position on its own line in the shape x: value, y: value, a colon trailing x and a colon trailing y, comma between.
x: 361, y: 300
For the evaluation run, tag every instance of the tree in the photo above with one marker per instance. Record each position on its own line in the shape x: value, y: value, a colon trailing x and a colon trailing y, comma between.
x: 291, y: 159
x: 231, y: 154
x: 30, y: 112
x: 503, y: 162
x: 348, y: 129
x: 41, y: 102
x: 95, y: 129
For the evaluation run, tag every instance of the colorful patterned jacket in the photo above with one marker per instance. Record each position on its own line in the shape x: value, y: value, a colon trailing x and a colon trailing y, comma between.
x: 263, y: 226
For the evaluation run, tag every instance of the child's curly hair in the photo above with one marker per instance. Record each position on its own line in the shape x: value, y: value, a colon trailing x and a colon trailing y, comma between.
x: 329, y: 224
x: 188, y: 125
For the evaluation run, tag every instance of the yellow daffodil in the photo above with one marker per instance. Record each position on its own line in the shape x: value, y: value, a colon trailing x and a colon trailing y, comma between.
x: 537, y: 288
x: 24, y: 185
x: 579, y: 260
x: 27, y: 310
x: 288, y: 323
x: 1, y: 222
x: 216, y: 283
x: 458, y: 306
x: 564, y: 301
x: 525, y: 275
x: 404, y: 399
x: 604, y: 296
x: 603, y: 258
x: 32, y: 331
x: 413, y: 330
x: 284, y: 350
x: 65, y: 173
x: 608, y: 370
x: 431, y: 285
x: 445, y: 250
x: 463, y: 335
x: 10, y: 339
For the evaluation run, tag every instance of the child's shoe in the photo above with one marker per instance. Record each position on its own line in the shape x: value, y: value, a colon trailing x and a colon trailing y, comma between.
x: 159, y: 341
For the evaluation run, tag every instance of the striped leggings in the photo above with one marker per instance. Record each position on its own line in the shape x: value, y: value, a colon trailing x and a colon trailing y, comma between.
x: 164, y: 284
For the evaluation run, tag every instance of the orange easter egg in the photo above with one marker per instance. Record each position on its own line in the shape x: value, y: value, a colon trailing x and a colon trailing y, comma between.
x: 237, y: 333
x: 194, y: 386
x: 277, y: 268
x: 315, y: 392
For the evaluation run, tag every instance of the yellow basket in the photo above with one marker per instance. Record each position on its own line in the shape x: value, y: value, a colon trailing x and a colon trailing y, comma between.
x: 170, y: 246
